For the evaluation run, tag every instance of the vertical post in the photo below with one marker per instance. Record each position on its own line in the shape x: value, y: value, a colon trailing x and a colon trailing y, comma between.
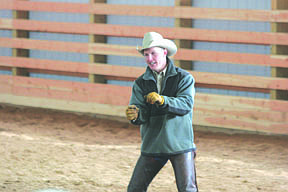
x: 93, y: 58
x: 20, y: 34
x: 279, y: 49
x: 183, y: 43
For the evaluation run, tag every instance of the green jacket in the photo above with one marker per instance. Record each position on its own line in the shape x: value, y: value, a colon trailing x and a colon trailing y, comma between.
x: 166, y: 129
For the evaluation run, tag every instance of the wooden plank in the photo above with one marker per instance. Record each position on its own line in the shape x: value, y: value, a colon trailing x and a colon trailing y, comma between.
x: 222, y: 122
x: 119, y: 111
x: 106, y: 109
x: 77, y: 67
x: 22, y: 43
x: 45, y: 26
x: 64, y: 90
x: 231, y: 112
x: 240, y: 80
x: 232, y: 57
x: 59, y: 73
x: 241, y: 113
x: 232, y: 101
x: 207, y: 115
x: 182, y: 54
x: 109, y: 49
x: 6, y: 24
x: 74, y: 67
x: 45, y: 6
x: 261, y: 38
x: 231, y: 87
x: 185, y: 12
x: 133, y: 72
x: 124, y: 93
x: 242, y: 102
x: 64, y: 105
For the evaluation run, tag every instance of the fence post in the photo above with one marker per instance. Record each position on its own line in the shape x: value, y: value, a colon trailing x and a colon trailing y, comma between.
x: 20, y: 34
x: 183, y: 43
x: 94, y: 58
x: 279, y: 49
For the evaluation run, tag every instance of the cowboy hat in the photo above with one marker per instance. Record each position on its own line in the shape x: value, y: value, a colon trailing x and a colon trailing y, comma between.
x: 153, y: 39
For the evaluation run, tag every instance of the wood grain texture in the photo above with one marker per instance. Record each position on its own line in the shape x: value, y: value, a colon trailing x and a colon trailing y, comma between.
x: 120, y: 50
x: 261, y: 38
x: 185, y: 12
x: 131, y: 73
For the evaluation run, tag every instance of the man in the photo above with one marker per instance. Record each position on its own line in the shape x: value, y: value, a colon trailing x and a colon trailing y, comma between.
x: 162, y: 103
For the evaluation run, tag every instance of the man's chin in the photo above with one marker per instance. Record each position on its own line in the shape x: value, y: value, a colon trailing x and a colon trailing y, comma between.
x: 153, y: 68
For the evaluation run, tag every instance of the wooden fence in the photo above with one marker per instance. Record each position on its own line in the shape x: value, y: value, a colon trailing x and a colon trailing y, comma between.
x: 232, y: 112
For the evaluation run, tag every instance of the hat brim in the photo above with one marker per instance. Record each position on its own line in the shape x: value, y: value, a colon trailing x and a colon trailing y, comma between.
x: 163, y: 43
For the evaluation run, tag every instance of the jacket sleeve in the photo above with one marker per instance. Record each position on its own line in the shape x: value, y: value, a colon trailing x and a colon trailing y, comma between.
x: 137, y: 98
x: 183, y: 103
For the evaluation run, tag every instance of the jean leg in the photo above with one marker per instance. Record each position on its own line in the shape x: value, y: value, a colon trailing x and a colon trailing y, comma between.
x: 144, y: 172
x: 185, y: 172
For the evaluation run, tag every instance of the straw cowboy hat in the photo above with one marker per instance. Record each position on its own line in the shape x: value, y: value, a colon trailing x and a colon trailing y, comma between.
x: 153, y: 39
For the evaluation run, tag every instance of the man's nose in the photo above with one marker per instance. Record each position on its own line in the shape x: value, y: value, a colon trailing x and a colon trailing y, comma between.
x: 149, y: 57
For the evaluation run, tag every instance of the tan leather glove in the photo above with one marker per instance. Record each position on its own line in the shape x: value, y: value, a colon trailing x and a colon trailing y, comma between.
x: 154, y: 97
x: 132, y: 112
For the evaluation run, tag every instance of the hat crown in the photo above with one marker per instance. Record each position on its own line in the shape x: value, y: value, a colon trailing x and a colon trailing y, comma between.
x: 150, y: 37
x: 154, y: 39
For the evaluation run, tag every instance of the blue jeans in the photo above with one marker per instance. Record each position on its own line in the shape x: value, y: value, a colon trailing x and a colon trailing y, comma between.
x: 148, y: 167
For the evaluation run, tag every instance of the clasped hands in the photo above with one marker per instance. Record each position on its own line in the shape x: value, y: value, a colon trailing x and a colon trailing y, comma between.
x: 152, y: 98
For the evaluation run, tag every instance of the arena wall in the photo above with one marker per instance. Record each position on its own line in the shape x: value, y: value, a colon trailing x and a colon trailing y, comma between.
x: 93, y: 79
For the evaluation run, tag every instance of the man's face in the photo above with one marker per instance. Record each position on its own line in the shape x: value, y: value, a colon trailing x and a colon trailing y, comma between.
x: 155, y: 58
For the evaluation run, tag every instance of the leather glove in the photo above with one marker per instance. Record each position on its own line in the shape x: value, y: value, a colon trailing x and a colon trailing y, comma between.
x: 132, y: 112
x: 154, y: 97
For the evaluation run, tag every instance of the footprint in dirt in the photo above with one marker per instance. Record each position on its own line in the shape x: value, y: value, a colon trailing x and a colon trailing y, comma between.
x: 2, y: 130
x: 51, y: 190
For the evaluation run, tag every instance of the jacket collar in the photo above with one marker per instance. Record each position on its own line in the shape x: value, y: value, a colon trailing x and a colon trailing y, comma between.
x: 171, y: 71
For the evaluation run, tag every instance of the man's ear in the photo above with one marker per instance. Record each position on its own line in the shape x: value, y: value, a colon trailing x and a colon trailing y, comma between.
x: 165, y: 51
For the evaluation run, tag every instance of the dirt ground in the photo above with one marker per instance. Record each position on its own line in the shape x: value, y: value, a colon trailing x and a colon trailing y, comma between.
x: 41, y: 149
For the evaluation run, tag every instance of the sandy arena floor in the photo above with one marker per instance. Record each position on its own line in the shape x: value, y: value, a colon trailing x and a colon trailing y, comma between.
x: 42, y: 149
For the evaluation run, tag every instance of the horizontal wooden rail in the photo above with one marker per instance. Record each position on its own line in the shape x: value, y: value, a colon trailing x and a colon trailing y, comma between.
x: 242, y: 102
x: 210, y: 110
x: 156, y: 11
x: 65, y: 90
x: 75, y: 67
x: 23, y: 43
x: 236, y: 123
x: 242, y: 113
x: 232, y: 57
x: 131, y: 73
x: 182, y: 54
x: 261, y: 38
x: 92, y: 88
